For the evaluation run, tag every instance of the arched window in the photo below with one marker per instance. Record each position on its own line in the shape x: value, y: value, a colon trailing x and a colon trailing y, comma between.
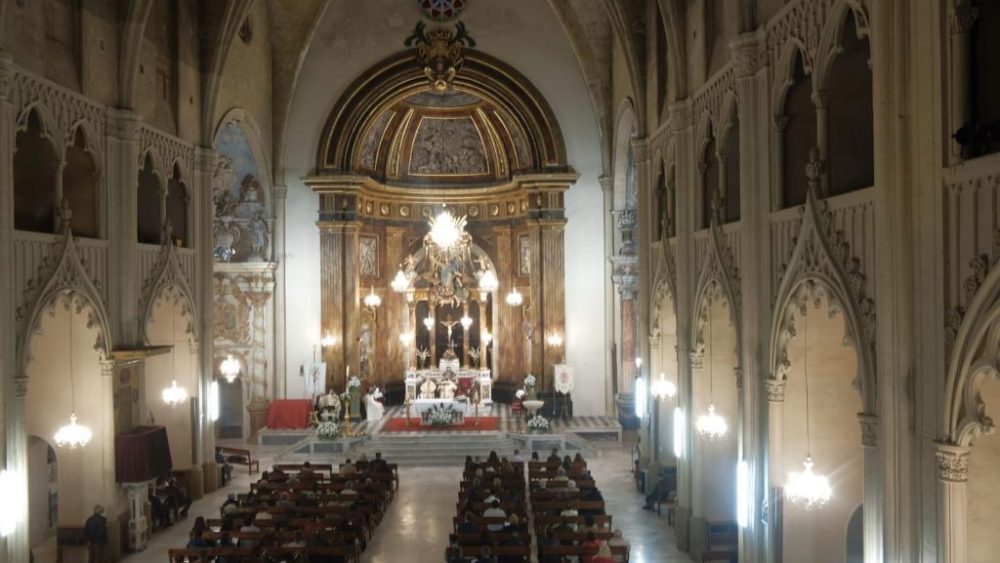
x: 709, y: 180
x: 80, y: 188
x: 149, y: 205
x: 36, y: 166
x: 798, y: 136
x: 980, y: 136
x: 852, y: 144
x: 177, y: 209
x: 731, y: 195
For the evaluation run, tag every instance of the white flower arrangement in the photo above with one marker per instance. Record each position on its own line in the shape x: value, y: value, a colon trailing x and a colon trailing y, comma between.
x: 529, y: 380
x: 539, y: 424
x: 328, y: 430
x: 353, y: 382
x: 441, y: 415
x: 520, y: 393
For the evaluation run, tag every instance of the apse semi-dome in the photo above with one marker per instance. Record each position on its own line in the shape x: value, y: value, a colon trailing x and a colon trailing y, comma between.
x: 393, y: 128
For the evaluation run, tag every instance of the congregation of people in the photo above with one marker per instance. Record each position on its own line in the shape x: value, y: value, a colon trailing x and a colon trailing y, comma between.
x: 297, y: 512
x: 504, y: 504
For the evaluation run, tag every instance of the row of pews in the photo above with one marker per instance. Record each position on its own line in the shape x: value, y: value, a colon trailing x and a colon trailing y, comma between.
x: 491, y: 522
x: 568, y: 510
x: 297, y: 512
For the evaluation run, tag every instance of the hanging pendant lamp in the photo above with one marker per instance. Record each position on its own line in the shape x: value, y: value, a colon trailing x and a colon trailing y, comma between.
x: 174, y: 395
x: 807, y: 488
x: 711, y: 425
x: 72, y: 435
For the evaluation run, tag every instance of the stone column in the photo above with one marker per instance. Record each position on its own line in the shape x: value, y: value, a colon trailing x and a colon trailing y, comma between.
x: 109, y: 494
x: 204, y: 289
x: 532, y: 326
x: 278, y: 257
x: 775, y: 468
x: 626, y: 278
x: 611, y: 381
x: 122, y: 172
x: 961, y: 19
x: 821, y: 100
x: 952, y: 477
x: 341, y: 307
x: 259, y: 373
x: 507, y: 337
x: 873, y: 493
x: 396, y: 313
x: 15, y: 457
x: 553, y: 267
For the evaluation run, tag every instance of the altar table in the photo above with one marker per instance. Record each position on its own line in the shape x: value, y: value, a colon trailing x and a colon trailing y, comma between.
x: 420, y: 407
x: 289, y: 414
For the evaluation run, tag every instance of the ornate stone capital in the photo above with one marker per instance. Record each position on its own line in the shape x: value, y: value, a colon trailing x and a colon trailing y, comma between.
x: 6, y: 74
x: 205, y: 159
x: 963, y: 17
x: 748, y: 57
x: 697, y: 359
x: 280, y: 191
x: 821, y: 99
x: 123, y: 124
x: 607, y: 183
x: 107, y: 367
x: 21, y: 387
x: 952, y: 462
x: 775, y: 390
x: 869, y: 429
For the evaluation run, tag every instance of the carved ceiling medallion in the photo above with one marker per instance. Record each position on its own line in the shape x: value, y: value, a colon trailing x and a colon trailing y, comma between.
x: 442, y: 10
x: 439, y: 52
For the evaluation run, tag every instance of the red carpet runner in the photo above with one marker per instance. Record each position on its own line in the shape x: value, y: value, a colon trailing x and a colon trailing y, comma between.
x: 486, y: 423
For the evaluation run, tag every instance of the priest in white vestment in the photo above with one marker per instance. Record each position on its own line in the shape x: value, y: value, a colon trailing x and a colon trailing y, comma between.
x: 373, y: 408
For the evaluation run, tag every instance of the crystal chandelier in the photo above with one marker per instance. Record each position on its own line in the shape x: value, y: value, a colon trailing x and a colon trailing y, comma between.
x: 447, y: 230
x: 372, y: 301
x: 554, y: 340
x: 230, y: 367
x: 486, y: 338
x: 805, y: 487
x: 73, y: 435
x: 428, y: 322
x: 466, y: 321
x: 514, y: 298
x: 406, y: 338
x: 174, y: 395
x: 661, y: 388
x: 327, y: 341
x: 711, y: 425
x: 400, y: 283
x: 488, y: 282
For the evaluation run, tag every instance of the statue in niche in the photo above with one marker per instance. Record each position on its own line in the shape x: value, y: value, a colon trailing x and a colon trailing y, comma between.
x: 227, y: 235
x: 249, y: 190
x: 259, y: 231
x: 365, y: 348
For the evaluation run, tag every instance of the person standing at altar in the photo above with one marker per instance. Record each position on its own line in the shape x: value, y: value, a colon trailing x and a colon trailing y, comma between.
x: 373, y: 407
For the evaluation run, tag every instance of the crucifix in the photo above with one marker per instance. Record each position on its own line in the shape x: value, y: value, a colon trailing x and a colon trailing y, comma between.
x: 449, y: 324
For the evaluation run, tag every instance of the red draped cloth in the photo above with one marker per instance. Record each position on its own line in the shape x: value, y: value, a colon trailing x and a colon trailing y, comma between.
x: 289, y: 414
x: 141, y: 454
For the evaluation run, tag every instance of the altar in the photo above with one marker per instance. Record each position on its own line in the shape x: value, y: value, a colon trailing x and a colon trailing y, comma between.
x: 421, y: 407
x: 464, y: 379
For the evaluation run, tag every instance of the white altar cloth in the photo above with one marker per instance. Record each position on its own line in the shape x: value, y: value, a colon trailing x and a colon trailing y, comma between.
x: 419, y: 406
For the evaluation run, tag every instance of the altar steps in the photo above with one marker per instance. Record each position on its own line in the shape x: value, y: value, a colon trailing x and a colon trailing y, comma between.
x: 436, y: 450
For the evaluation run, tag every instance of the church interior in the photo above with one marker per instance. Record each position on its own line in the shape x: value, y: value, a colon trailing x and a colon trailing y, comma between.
x: 487, y: 281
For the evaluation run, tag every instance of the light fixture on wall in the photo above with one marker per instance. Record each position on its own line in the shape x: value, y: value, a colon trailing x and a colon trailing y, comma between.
x: 72, y: 435
x: 327, y: 341
x: 488, y: 283
x: 514, y: 298
x: 447, y: 230
x: 174, y: 395
x: 406, y: 338
x: 641, y: 396
x: 230, y: 367
x: 372, y: 300
x: 805, y: 487
x: 486, y: 338
x: 678, y: 432
x: 554, y: 340
x: 12, y: 491
x: 213, y: 401
x: 711, y: 425
x: 429, y: 323
x: 400, y: 283
x: 466, y: 321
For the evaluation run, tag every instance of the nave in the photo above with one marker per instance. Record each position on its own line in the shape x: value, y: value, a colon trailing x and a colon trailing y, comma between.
x: 418, y: 521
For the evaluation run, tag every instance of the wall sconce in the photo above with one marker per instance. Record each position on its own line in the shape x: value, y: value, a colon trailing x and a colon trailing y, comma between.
x: 429, y: 323
x: 466, y: 321
x: 514, y: 298
x: 328, y: 341
x: 554, y: 340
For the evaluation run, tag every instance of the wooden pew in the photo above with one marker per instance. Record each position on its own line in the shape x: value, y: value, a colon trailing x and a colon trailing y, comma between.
x: 523, y: 551
x: 240, y: 456
x: 346, y: 554
x: 578, y: 550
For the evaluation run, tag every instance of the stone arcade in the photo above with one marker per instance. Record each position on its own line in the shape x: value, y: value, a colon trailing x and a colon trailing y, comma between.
x: 756, y: 239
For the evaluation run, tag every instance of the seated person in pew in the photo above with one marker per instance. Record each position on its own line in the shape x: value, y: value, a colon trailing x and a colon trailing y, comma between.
x: 249, y: 527
x: 485, y: 555
x: 548, y: 539
x: 554, y: 457
x: 198, y: 541
x: 570, y: 512
x: 494, y: 511
x: 468, y: 525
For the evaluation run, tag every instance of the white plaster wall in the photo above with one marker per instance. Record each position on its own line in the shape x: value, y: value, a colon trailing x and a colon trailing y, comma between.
x: 821, y: 534
x: 167, y: 326
x: 50, y: 401
x: 353, y: 37
x: 664, y: 360
x: 984, y: 486
x: 715, y: 382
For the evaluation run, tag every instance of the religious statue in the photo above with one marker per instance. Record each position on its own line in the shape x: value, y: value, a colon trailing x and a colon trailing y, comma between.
x: 427, y: 389
x: 365, y: 348
x: 258, y: 229
x: 226, y: 236
x: 329, y: 405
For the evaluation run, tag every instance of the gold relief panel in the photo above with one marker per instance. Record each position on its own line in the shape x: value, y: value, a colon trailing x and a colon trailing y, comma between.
x: 494, y: 210
x: 511, y: 207
x: 404, y: 210
x: 385, y: 210
x: 368, y: 256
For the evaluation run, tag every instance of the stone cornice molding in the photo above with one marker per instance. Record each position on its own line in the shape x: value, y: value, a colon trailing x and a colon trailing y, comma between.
x: 123, y: 124
x: 748, y: 55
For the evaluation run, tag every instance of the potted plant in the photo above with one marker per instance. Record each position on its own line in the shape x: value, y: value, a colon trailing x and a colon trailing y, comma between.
x: 328, y: 429
x: 538, y: 425
x: 441, y: 415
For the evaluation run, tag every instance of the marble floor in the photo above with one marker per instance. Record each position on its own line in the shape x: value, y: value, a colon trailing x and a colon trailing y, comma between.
x: 416, y: 527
